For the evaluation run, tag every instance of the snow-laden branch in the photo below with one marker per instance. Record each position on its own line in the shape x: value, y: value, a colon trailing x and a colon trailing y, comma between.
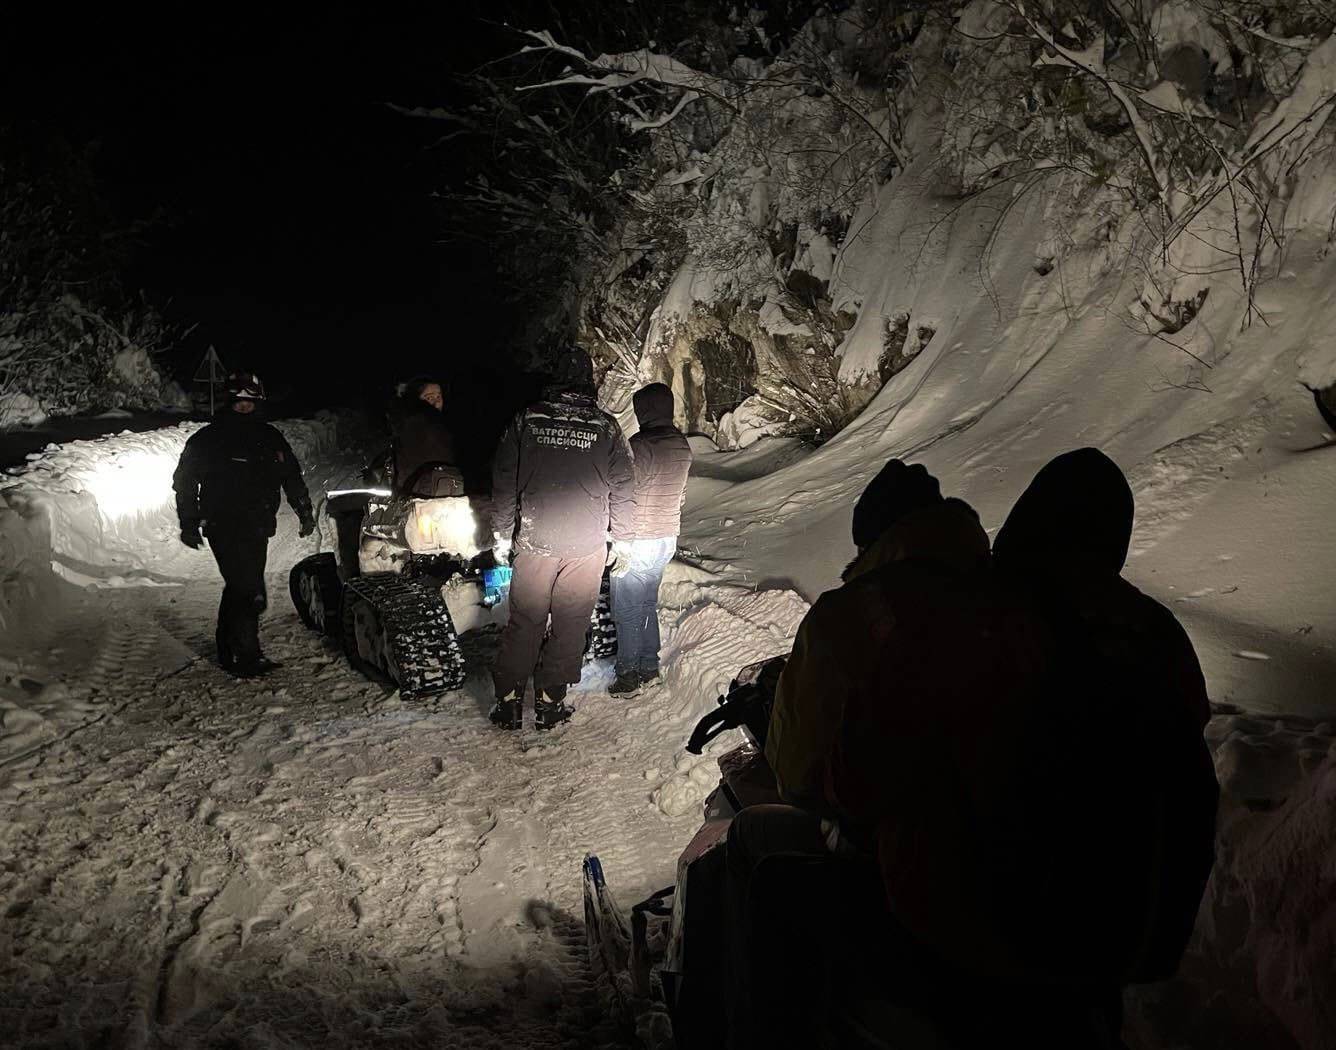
x: 1091, y: 62
x: 628, y: 68
x: 1296, y: 120
x: 650, y: 123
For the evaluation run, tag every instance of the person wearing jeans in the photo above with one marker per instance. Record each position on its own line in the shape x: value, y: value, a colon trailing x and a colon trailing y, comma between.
x: 635, y: 608
x: 662, y: 461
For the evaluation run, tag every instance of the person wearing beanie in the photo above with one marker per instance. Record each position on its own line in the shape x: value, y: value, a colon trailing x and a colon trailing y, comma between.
x: 901, y: 516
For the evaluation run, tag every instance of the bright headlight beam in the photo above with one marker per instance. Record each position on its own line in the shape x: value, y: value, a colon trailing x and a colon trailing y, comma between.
x: 130, y: 483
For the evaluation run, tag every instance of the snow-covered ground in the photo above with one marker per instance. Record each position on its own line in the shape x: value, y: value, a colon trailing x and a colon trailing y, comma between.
x: 190, y: 861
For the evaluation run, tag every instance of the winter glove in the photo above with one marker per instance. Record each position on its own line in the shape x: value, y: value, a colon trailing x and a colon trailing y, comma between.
x: 619, y: 558
x: 190, y: 536
x: 307, y: 525
x: 501, y: 547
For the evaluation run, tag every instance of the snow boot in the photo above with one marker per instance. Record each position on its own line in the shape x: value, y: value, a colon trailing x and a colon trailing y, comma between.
x: 626, y: 683
x: 550, y: 709
x: 647, y: 677
x: 259, y: 669
x: 508, y: 711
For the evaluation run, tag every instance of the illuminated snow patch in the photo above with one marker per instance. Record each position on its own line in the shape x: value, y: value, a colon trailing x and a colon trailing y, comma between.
x: 130, y: 483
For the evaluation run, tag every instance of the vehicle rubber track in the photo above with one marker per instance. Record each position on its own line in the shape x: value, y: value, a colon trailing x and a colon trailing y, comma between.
x: 602, y: 637
x: 421, y: 634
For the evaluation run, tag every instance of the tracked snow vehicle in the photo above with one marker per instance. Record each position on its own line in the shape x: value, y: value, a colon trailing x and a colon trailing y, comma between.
x: 409, y: 578
x: 664, y: 956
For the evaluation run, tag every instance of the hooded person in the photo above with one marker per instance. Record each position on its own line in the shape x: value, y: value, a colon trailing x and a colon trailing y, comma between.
x: 227, y: 486
x: 1121, y: 789
x: 421, y: 437
x: 662, y: 460
x: 1042, y: 810
x: 562, y: 483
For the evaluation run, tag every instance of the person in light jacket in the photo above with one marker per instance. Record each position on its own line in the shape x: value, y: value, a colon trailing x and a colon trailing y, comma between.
x: 662, y: 460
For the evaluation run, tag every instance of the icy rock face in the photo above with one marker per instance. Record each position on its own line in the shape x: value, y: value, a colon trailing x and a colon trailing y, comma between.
x: 1259, y: 969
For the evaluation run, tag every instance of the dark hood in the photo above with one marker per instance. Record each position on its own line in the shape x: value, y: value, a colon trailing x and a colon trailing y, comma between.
x: 654, y: 406
x: 1077, y: 510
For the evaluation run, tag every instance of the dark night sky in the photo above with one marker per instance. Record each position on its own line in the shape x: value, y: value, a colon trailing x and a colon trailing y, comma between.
x: 306, y: 244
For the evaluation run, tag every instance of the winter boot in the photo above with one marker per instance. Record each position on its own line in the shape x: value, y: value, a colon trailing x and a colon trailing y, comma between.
x: 508, y: 711
x: 626, y: 683
x: 550, y: 708
x: 259, y: 669
x: 647, y: 677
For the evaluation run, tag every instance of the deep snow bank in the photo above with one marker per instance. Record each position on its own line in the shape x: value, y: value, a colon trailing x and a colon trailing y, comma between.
x: 102, y: 513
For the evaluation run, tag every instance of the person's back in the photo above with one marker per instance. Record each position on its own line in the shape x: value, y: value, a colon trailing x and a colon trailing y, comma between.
x: 1119, y: 788
x: 563, y: 471
x: 941, y: 655
x: 661, y: 460
x: 879, y: 640
x: 561, y: 483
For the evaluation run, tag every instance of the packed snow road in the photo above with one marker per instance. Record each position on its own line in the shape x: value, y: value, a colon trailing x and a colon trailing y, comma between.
x: 195, y: 861
x: 192, y: 861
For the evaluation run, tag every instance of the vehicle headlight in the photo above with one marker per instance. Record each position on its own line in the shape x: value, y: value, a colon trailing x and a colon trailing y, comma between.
x: 445, y: 525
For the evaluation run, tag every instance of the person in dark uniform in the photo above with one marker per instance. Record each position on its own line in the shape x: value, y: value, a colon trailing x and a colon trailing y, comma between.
x: 227, y: 489
x: 562, y: 483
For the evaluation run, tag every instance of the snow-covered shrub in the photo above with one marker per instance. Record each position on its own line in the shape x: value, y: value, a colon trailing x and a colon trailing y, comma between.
x: 71, y: 337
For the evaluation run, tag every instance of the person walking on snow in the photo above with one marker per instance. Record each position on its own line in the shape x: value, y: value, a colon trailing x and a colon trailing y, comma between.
x: 561, y: 484
x: 662, y: 460
x: 227, y: 489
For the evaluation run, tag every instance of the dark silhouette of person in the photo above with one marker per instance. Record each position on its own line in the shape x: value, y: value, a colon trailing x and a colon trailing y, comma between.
x: 421, y: 436
x: 227, y: 486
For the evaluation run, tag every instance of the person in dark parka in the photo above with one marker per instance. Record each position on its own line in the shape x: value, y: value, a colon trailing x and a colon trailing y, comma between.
x: 227, y: 487
x: 421, y: 436
x: 662, y: 461
x: 562, y: 484
x: 1123, y: 791
x: 1044, y: 829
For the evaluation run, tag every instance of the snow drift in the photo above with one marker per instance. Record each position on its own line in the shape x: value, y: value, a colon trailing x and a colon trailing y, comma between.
x: 102, y: 513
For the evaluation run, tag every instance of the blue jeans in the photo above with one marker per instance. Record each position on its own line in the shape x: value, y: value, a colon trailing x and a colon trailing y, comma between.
x: 635, y: 605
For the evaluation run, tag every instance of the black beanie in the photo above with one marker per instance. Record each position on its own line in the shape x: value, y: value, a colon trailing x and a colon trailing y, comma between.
x: 893, y: 493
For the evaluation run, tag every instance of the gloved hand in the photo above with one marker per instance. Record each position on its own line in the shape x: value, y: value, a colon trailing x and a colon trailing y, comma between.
x: 307, y: 525
x: 619, y: 558
x: 501, y: 548
x: 190, y: 536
